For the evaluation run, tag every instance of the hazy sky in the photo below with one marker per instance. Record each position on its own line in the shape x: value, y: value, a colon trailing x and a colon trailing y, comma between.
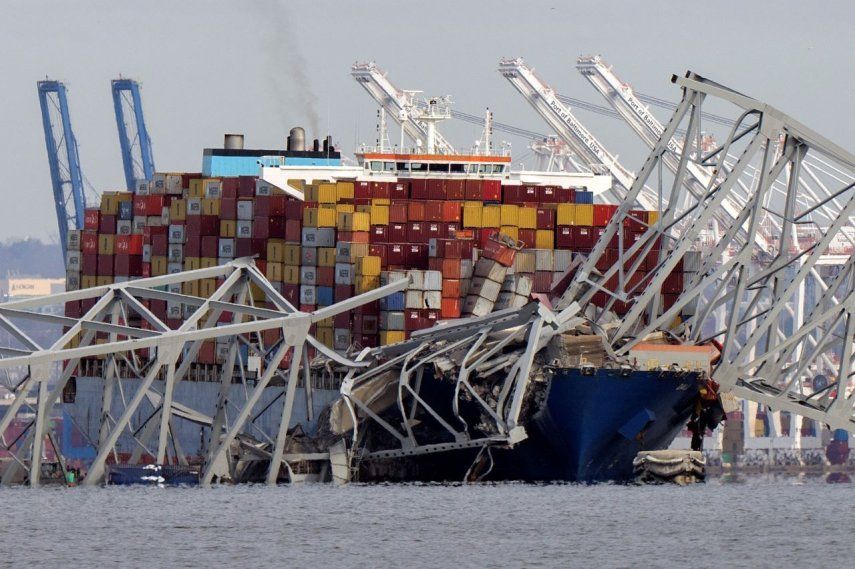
x: 260, y: 67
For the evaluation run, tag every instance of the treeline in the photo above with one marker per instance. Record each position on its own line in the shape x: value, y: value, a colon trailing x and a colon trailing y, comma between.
x: 31, y: 257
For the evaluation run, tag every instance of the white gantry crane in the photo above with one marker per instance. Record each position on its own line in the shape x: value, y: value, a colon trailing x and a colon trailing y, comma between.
x: 766, y: 355
x: 419, y: 124
x: 567, y: 126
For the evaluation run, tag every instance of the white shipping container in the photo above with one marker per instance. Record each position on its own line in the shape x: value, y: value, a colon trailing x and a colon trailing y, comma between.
x: 523, y: 285
x: 141, y: 187
x: 244, y: 210
x: 467, y: 268
x: 158, y: 184
x: 72, y: 241
x: 194, y: 206
x: 308, y: 294
x: 489, y: 269
x: 173, y: 287
x: 173, y: 184
x: 73, y: 260
x: 155, y: 221
x: 343, y: 274
x: 432, y: 280
x: 164, y: 215
x: 341, y: 338
x: 543, y: 259
x: 226, y: 248
x: 433, y: 299
x: 72, y: 281
x: 692, y: 261
x: 123, y: 227
x: 139, y: 224
x: 146, y: 252
x: 432, y: 247
x: 477, y: 306
x: 176, y: 234
x: 561, y: 259
x: 224, y: 260
x: 414, y: 299
x: 417, y: 280
x: 309, y: 276
x: 325, y: 237
x: 310, y: 237
x: 263, y: 188
x: 175, y: 254
x: 524, y: 262
x: 214, y: 189
x: 387, y: 277
x: 485, y: 288
x: 392, y: 320
x: 243, y: 229
x: 173, y: 310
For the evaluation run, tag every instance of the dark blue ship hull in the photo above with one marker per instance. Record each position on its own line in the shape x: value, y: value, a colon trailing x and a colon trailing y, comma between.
x: 592, y: 426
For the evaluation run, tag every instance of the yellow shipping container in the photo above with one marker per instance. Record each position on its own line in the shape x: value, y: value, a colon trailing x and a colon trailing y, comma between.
x: 197, y: 188
x: 190, y: 288
x: 275, y: 251
x: 584, y: 214
x: 509, y: 215
x: 158, y: 266
x: 365, y: 283
x: 310, y: 217
x: 491, y: 216
x: 291, y: 255
x: 325, y: 336
x: 527, y: 218
x: 207, y: 262
x: 344, y: 191
x: 511, y: 231
x: 228, y: 228
x: 178, y: 210
x: 472, y: 215
x: 210, y: 206
x: 87, y: 281
x: 105, y: 244
x: 379, y: 215
x: 544, y: 239
x: 291, y: 274
x: 109, y: 204
x: 327, y: 193
x: 345, y: 207
x: 326, y: 257
x: 392, y: 337
x: 296, y: 184
x: 363, y: 208
x: 103, y: 281
x: 652, y: 217
x: 192, y: 263
x: 566, y: 214
x: 368, y: 266
x: 345, y: 221
x: 256, y: 293
x: 310, y: 192
x: 207, y: 287
x: 381, y: 201
x: 273, y: 272
x: 326, y: 217
x: 357, y: 250
x: 361, y: 221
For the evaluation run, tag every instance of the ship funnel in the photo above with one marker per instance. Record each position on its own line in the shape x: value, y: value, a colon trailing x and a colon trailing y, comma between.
x: 297, y: 139
x: 233, y: 142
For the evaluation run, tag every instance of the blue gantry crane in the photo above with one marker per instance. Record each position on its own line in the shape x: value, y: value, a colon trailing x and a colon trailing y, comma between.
x: 65, y: 173
x: 133, y: 136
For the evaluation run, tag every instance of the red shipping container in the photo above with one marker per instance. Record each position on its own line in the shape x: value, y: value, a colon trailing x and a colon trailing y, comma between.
x: 450, y: 288
x: 91, y: 219
x: 452, y: 268
x: 452, y: 211
x: 210, y: 246
x: 89, y: 266
x: 434, y: 230
x: 369, y: 308
x: 396, y: 254
x: 261, y: 227
x: 565, y: 195
x: 150, y: 231
x: 341, y: 320
x: 356, y: 236
x: 325, y: 276
x: 128, y: 265
x: 246, y: 186
x: 473, y: 190
x: 436, y: 189
x: 129, y: 244
x: 380, y: 190
x: 433, y: 210
x: 140, y: 208
x: 154, y: 204
x: 635, y: 221
x: 146, y: 270
x: 527, y: 236
x: 397, y: 233
x: 399, y: 190
x: 499, y: 252
x: 545, y: 218
x: 89, y: 242
x: 379, y: 250
x: 105, y: 265
x: 107, y: 224
x: 511, y: 193
x: 193, y: 246
x: 547, y: 194
x: 491, y: 190
x: 362, y: 190
x: 379, y: 234
x: 453, y: 230
x: 293, y: 231
x: 455, y: 189
x: 417, y: 255
x: 450, y: 308
x: 294, y: 209
x: 228, y: 208
x: 203, y: 225
x: 342, y: 292
x: 528, y: 194
x: 416, y: 232
x: 542, y: 281
x: 583, y: 238
x: 398, y: 213
x: 276, y: 205
x: 230, y: 187
x: 291, y: 293
x: 72, y: 309
x: 416, y: 211
x: 261, y: 206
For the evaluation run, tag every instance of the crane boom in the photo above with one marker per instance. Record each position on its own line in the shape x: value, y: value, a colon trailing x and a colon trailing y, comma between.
x: 63, y: 159
x: 545, y: 101
x: 399, y: 104
x: 134, y: 140
x: 649, y: 129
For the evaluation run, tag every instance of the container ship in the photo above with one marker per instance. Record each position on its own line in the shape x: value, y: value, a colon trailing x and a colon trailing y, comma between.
x: 323, y: 231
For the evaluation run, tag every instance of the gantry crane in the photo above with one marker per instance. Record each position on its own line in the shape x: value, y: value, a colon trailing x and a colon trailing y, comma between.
x: 134, y: 140
x: 63, y: 159
x: 570, y: 129
x: 400, y: 105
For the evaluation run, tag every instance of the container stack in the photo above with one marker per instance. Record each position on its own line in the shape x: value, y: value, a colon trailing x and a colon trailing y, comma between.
x: 468, y: 246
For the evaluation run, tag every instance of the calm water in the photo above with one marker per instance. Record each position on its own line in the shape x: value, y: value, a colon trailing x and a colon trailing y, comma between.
x: 781, y: 522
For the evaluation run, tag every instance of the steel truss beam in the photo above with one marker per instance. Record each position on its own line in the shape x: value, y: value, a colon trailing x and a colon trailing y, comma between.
x: 768, y: 355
